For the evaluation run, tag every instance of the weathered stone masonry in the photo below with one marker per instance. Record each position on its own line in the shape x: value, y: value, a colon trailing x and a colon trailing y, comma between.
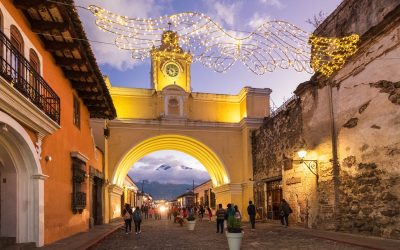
x: 277, y: 140
x: 357, y: 108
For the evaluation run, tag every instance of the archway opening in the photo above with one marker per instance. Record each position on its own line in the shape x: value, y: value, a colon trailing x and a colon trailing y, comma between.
x: 168, y: 174
x: 21, y: 185
x: 166, y: 183
x: 184, y: 144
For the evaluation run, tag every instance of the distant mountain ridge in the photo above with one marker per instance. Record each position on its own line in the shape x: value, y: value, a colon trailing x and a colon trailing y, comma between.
x: 166, y: 191
x: 163, y: 167
x: 166, y: 167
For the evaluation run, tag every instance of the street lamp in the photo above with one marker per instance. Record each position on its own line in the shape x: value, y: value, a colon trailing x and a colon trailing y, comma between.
x: 312, y: 165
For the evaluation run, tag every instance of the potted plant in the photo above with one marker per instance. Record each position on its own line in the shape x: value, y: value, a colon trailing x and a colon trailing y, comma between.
x: 234, y: 233
x: 191, y: 221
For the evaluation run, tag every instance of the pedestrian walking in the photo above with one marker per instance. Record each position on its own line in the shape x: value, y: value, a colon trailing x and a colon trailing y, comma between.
x: 175, y: 213
x: 284, y: 212
x: 151, y: 212
x: 230, y: 212
x: 201, y: 213
x: 238, y: 215
x: 209, y: 214
x: 127, y: 215
x: 156, y: 210
x: 169, y: 213
x: 137, y: 219
x: 251, y: 211
x: 184, y: 213
x: 146, y: 212
x: 220, y: 214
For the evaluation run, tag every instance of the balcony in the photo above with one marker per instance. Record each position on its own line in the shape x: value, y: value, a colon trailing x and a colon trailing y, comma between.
x: 18, y: 72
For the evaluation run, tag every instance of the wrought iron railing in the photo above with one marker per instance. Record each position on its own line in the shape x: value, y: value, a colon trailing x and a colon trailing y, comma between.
x: 283, y: 106
x: 17, y: 70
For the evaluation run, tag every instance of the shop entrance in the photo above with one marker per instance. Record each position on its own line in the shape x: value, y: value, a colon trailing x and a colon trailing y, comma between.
x: 274, y: 197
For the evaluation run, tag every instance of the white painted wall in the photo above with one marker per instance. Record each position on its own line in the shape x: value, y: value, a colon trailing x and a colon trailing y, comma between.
x: 8, y: 197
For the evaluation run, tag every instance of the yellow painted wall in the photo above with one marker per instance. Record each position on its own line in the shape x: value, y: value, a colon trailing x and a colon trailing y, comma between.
x: 147, y: 104
x: 127, y: 106
x: 220, y: 122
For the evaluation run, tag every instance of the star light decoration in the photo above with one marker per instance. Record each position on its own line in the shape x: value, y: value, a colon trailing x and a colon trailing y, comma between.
x: 273, y: 44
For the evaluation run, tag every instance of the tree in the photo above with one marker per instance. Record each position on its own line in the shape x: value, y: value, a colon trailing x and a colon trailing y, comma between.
x: 317, y: 19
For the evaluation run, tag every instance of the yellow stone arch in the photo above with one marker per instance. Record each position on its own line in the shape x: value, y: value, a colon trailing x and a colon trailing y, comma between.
x: 190, y: 146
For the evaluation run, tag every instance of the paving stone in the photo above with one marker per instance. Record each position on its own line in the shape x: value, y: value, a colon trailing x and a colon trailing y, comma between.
x: 163, y: 234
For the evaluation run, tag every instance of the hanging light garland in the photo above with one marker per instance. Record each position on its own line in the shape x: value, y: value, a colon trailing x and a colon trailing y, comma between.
x: 274, y: 44
x: 329, y: 54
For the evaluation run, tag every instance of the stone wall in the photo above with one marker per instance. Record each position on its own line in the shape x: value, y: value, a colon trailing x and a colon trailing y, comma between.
x: 368, y: 203
x: 350, y: 124
x: 274, y: 142
x: 356, y: 16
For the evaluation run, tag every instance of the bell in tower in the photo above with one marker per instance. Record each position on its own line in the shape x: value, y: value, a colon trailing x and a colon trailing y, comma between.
x: 170, y: 64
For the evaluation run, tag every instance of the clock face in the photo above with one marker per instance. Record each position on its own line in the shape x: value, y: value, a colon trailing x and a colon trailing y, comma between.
x: 172, y: 70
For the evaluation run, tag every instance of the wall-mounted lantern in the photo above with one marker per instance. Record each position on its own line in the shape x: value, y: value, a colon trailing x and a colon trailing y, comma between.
x: 312, y: 165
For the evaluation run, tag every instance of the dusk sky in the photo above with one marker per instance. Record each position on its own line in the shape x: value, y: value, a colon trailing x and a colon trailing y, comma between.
x: 232, y: 15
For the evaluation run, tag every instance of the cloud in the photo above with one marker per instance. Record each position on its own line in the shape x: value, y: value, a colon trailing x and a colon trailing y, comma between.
x: 275, y: 3
x: 169, y: 167
x: 256, y: 20
x: 222, y: 13
x: 174, y: 175
x: 108, y: 54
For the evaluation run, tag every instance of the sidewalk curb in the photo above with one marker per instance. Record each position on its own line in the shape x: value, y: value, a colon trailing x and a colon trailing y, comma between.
x: 347, y: 241
x: 95, y: 241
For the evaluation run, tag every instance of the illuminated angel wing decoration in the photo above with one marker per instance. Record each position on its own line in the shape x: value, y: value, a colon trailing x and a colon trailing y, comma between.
x: 273, y: 44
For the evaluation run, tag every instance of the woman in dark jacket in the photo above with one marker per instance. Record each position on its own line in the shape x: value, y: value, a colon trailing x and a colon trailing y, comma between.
x: 284, y: 211
x: 127, y: 215
x: 137, y: 219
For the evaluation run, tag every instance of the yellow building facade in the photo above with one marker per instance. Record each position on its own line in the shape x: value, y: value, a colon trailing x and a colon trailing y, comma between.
x: 213, y: 128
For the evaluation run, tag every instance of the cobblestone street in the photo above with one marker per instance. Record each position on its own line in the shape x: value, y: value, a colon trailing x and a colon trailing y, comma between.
x: 163, y: 234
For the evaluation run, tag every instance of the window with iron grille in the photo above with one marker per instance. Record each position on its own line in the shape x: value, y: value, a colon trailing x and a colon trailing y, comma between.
x: 212, y: 200
x: 77, y: 112
x: 78, y: 186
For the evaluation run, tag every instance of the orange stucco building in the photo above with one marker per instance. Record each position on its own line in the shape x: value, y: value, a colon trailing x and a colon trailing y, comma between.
x: 50, y: 168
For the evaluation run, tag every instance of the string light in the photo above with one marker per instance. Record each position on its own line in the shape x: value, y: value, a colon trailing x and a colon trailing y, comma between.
x: 330, y: 54
x: 196, y: 37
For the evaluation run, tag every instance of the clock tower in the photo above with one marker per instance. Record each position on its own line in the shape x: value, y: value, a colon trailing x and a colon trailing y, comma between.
x: 170, y: 65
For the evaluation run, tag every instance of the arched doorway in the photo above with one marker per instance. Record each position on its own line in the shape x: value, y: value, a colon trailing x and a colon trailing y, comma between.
x: 21, y: 185
x: 168, y: 175
x: 185, y: 144
x: 190, y: 146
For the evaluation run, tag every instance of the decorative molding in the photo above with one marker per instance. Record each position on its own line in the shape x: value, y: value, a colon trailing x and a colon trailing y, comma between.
x: 250, y: 122
x: 115, y: 190
x: 233, y: 188
x: 42, y: 177
x: 24, y: 111
x: 249, y: 184
x: 80, y: 156
x: 246, y: 91
x: 38, y: 146
x: 121, y: 91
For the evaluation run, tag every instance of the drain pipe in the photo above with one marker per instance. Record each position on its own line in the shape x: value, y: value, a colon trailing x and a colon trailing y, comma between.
x: 335, y: 162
